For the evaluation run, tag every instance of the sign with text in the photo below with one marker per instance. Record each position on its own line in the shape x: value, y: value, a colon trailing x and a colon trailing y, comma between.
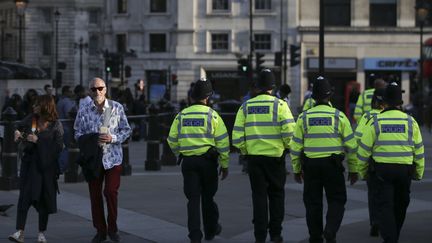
x: 399, y: 64
x: 333, y: 63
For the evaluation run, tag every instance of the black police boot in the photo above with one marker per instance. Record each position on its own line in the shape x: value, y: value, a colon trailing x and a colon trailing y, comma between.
x: 276, y: 239
x: 99, y: 237
x: 374, y: 232
x: 216, y: 232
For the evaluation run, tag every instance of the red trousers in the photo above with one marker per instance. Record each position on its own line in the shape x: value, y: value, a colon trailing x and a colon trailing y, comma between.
x: 112, y: 184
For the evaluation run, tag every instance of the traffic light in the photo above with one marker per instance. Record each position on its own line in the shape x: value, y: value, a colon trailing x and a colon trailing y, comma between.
x: 174, y: 79
x: 259, y: 61
x: 243, y: 65
x: 278, y: 59
x: 128, y: 71
x: 108, y: 64
x: 295, y: 53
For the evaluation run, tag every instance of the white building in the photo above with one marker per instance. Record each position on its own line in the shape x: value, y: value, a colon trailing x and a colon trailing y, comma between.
x: 194, y: 38
x: 78, y: 19
x: 362, y: 37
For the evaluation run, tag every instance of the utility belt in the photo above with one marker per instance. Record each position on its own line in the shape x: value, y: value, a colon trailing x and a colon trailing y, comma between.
x: 282, y: 158
x: 337, y: 159
x: 212, y: 154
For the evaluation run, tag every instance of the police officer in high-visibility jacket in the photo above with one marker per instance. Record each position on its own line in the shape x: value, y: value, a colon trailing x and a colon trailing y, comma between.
x: 377, y: 107
x: 321, y: 138
x: 262, y: 131
x: 394, y: 142
x: 199, y: 136
x: 365, y: 99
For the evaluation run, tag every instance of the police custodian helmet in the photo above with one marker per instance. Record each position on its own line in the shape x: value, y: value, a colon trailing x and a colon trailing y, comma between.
x: 393, y: 94
x: 202, y: 89
x: 321, y: 89
x: 266, y: 80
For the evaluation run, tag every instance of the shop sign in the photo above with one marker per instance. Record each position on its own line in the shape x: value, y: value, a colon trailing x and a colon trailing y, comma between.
x: 398, y: 64
x: 214, y: 75
x: 333, y: 63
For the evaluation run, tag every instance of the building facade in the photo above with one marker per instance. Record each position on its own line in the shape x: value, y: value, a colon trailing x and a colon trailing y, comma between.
x: 189, y: 39
x: 75, y: 21
x: 365, y: 39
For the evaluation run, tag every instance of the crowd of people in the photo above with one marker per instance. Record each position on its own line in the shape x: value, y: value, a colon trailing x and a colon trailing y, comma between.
x: 386, y: 149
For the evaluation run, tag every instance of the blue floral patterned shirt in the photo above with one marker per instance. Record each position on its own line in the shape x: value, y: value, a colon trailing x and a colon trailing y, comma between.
x: 88, y: 120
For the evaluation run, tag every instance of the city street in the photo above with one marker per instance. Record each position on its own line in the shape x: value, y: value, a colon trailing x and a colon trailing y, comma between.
x: 153, y: 208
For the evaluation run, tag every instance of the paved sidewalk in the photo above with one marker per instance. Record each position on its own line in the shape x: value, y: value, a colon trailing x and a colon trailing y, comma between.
x: 153, y: 208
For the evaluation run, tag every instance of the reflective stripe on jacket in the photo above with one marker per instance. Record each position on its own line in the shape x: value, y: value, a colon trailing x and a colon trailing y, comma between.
x: 392, y: 137
x: 197, y: 128
x: 320, y: 132
x: 264, y: 126
x: 364, y: 103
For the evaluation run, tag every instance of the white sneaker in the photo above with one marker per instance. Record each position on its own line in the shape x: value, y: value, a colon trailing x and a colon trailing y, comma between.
x: 17, y: 237
x: 41, y: 238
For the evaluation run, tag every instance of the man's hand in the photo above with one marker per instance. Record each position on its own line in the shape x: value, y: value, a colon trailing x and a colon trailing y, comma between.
x: 104, y: 138
x: 17, y: 135
x: 353, y: 178
x: 298, y: 177
x: 32, y: 138
x: 223, y: 172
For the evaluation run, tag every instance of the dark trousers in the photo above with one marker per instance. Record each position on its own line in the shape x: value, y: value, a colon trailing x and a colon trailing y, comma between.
x: 112, y: 184
x: 327, y: 174
x: 393, y: 190
x: 200, y: 182
x: 22, y: 216
x: 267, y: 177
x: 371, y: 183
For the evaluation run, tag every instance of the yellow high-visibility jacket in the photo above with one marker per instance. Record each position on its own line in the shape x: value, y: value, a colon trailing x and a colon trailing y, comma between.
x: 364, y: 103
x: 264, y: 126
x: 392, y: 137
x: 320, y: 132
x: 195, y: 130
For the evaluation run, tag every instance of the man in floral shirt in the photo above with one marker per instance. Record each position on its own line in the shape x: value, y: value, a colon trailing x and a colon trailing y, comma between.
x: 90, y: 119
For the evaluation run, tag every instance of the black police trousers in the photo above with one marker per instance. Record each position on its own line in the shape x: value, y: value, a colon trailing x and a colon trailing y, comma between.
x: 393, y: 191
x: 324, y: 173
x: 267, y: 176
x: 372, y: 198
x: 200, y: 183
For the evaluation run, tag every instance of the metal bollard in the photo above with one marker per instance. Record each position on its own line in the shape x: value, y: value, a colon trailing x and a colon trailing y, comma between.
x: 127, y: 168
x: 71, y: 175
x: 168, y: 157
x: 9, y: 177
x: 153, y: 162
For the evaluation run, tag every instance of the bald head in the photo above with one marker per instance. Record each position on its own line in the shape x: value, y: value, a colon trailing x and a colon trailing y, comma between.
x: 380, y: 83
x: 96, y: 80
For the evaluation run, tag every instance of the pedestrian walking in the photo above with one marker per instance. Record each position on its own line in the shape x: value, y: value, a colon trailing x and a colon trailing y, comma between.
x: 40, y: 136
x: 392, y: 144
x: 377, y: 107
x: 200, y: 139
x: 364, y: 100
x: 322, y: 138
x: 262, y: 131
x: 102, y: 124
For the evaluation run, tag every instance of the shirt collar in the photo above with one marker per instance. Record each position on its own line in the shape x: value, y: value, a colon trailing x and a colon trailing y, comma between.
x: 94, y: 108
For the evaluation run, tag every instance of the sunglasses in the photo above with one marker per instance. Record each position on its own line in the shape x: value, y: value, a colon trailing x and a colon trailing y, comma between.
x: 93, y: 89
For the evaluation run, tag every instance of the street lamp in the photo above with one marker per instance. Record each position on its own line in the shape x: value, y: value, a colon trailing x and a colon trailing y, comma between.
x: 81, y: 46
x: 57, y: 77
x: 422, y: 10
x: 21, y: 6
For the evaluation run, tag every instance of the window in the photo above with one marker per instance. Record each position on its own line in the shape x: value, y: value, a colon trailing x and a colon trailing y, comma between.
x: 121, y: 6
x: 46, y: 42
x: 262, y: 41
x: 337, y: 12
x: 382, y: 12
x: 93, y: 45
x: 46, y: 15
x: 219, y: 42
x: 220, y: 5
x: 263, y: 4
x: 158, y: 6
x: 121, y: 43
x: 428, y: 20
x: 94, y: 16
x: 158, y: 43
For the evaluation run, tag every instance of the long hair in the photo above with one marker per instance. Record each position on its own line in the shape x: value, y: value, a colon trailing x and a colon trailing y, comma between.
x: 48, y: 109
